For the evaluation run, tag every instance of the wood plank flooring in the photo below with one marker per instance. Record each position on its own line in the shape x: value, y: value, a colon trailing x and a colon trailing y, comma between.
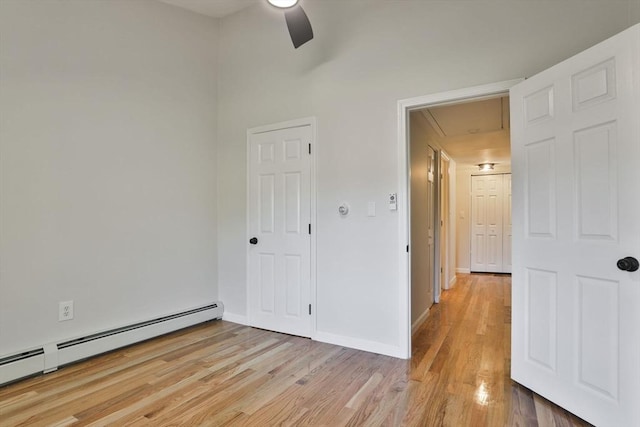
x: 224, y: 374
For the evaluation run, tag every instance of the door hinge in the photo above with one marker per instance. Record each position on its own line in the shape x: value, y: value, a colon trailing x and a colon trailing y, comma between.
x: 309, y: 308
x: 309, y: 228
x: 309, y: 148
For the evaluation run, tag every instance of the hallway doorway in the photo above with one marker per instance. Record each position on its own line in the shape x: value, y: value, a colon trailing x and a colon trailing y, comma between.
x: 447, y: 140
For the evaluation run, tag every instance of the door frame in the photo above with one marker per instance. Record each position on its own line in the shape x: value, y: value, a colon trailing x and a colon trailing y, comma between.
x: 405, y: 106
x: 305, y: 121
x: 445, y: 218
x: 437, y: 229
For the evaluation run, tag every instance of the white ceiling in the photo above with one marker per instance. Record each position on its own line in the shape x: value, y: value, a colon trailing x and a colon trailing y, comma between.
x: 473, y: 132
x: 489, y: 147
x: 213, y: 8
x: 469, y: 118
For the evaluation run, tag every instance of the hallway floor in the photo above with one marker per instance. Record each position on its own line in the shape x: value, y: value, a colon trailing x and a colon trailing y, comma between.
x: 461, y: 361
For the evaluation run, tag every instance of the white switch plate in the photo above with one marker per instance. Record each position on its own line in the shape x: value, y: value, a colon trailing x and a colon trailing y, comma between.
x: 371, y: 209
x: 65, y: 310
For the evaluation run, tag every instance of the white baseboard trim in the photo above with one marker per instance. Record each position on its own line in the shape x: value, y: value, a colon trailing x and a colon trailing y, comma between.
x: 235, y: 318
x: 419, y: 321
x: 452, y: 282
x: 463, y: 270
x: 360, y: 344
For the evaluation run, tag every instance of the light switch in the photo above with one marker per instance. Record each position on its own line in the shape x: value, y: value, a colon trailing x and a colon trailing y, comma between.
x: 371, y: 209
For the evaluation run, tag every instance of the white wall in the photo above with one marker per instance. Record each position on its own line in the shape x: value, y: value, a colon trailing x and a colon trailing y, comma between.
x: 108, y: 165
x: 422, y: 135
x: 453, y: 235
x: 423, y: 199
x: 422, y: 129
x: 367, y: 55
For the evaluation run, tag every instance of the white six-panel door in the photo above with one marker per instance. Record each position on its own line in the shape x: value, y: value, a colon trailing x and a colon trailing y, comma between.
x: 486, y: 223
x: 576, y: 212
x: 279, y: 272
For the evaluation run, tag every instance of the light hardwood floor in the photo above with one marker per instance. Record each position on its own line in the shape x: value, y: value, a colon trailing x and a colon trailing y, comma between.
x: 221, y: 373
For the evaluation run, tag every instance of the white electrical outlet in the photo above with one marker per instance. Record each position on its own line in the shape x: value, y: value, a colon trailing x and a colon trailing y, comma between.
x: 65, y: 310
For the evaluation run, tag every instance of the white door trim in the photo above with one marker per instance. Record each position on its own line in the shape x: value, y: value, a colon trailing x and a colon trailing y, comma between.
x: 405, y: 106
x: 305, y: 121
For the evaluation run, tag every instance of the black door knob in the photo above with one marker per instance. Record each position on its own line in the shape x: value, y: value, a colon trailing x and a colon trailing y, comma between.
x: 253, y: 240
x: 628, y: 264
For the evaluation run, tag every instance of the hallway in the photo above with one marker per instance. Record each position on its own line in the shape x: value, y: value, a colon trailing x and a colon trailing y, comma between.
x: 461, y: 361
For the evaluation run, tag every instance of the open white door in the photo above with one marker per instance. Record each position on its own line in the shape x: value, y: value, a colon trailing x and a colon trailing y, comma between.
x: 576, y: 212
x: 279, y: 270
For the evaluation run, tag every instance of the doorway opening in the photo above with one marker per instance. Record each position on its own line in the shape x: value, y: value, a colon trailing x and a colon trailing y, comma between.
x: 438, y: 150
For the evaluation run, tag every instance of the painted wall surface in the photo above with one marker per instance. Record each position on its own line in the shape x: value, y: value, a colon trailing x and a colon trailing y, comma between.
x: 422, y: 130
x: 109, y: 190
x: 453, y: 235
x: 446, y: 196
x: 422, y: 217
x: 367, y: 55
x: 107, y: 165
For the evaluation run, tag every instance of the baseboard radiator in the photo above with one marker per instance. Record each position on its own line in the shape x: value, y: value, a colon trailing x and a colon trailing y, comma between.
x: 51, y: 356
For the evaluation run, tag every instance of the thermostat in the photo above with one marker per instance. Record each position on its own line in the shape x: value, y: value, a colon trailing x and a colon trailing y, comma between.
x: 393, y: 201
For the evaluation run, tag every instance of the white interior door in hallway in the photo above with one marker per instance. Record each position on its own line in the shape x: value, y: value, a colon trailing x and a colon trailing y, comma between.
x: 279, y: 254
x: 489, y: 195
x: 576, y: 232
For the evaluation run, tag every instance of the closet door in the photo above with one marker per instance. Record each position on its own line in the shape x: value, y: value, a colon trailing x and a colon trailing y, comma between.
x: 486, y: 223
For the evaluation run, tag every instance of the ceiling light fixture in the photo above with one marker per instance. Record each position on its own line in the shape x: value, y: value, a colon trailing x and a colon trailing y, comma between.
x: 283, y: 4
x: 297, y: 21
x: 485, y: 167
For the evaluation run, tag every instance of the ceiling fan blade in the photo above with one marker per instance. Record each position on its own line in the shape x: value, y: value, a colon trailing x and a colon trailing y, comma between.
x: 299, y: 26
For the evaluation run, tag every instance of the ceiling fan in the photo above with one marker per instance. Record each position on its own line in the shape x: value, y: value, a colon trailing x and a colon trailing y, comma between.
x: 297, y: 22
